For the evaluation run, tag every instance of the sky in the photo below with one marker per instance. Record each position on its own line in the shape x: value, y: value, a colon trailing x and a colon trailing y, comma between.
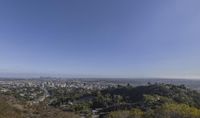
x: 100, y: 38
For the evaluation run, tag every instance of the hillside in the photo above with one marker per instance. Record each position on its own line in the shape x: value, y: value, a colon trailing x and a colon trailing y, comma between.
x: 155, y: 93
x: 11, y: 108
x: 9, y: 111
x: 150, y: 101
x: 145, y: 99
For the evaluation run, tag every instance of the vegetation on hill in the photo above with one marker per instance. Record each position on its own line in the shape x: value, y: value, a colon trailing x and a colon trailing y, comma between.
x: 150, y: 101
x: 8, y: 111
x: 165, y: 111
x: 10, y: 108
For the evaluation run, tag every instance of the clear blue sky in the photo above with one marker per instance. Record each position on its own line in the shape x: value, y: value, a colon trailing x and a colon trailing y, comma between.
x: 100, y: 38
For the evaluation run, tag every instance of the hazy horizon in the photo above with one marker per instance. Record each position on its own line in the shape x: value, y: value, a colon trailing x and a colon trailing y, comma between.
x: 115, y: 38
x: 29, y: 75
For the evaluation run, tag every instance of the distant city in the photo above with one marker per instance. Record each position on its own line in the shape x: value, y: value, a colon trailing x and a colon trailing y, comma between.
x: 43, y: 83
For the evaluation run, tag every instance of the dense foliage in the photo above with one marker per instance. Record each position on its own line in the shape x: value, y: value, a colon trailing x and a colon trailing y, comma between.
x: 165, y: 111
x: 143, y: 100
